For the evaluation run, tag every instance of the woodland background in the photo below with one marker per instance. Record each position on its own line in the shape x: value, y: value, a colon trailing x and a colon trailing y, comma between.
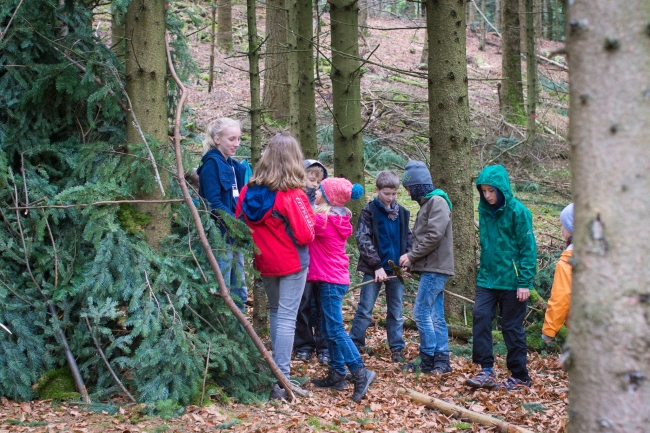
x: 102, y: 279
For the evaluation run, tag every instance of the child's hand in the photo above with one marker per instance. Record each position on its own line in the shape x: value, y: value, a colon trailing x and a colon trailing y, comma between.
x: 380, y: 275
x: 404, y: 261
x: 523, y: 294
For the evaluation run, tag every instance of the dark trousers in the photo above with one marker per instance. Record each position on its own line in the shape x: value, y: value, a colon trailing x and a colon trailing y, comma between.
x: 513, y: 314
x: 308, y: 336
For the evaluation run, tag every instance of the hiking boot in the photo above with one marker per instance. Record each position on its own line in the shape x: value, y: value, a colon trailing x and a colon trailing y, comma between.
x: 485, y: 379
x: 324, y: 358
x: 423, y: 364
x: 513, y: 384
x: 441, y: 363
x: 397, y: 355
x: 334, y: 380
x: 278, y: 393
x: 304, y: 356
x: 362, y: 380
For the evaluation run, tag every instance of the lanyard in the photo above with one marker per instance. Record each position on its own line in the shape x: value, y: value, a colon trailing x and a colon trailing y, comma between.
x: 235, y: 190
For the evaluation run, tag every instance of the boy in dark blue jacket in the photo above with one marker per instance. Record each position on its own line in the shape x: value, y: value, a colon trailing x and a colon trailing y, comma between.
x: 383, y: 234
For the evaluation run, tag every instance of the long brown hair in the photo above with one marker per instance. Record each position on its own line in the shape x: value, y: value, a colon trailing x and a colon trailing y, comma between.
x: 281, y: 165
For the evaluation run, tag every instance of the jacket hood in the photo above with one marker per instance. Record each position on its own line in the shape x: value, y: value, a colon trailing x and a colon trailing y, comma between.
x: 497, y: 177
x: 440, y: 193
x: 211, y: 154
x: 339, y: 222
x: 258, y: 202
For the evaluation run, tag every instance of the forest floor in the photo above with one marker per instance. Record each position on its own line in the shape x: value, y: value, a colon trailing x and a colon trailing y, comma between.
x: 397, y: 105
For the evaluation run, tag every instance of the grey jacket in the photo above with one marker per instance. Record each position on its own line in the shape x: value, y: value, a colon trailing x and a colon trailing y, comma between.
x: 433, y: 239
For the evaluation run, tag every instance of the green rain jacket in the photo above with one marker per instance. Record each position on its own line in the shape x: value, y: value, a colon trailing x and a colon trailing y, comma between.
x: 508, y: 248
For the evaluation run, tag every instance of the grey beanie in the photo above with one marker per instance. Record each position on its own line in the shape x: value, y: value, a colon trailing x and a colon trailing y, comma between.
x: 566, y: 218
x: 416, y: 173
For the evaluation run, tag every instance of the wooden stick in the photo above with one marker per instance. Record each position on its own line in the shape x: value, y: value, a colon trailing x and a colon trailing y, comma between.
x: 459, y: 296
x: 223, y: 289
x: 110, y: 370
x: 97, y: 203
x: 366, y: 283
x: 207, y: 365
x: 460, y: 412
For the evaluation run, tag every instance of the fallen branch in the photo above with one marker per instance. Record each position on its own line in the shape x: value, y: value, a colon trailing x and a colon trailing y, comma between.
x: 223, y: 289
x: 5, y: 328
x: 2, y: 36
x: 110, y: 370
x: 460, y: 412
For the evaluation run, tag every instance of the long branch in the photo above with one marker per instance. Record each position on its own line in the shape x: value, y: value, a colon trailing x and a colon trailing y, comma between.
x: 223, y: 290
x: 97, y: 203
x: 110, y: 369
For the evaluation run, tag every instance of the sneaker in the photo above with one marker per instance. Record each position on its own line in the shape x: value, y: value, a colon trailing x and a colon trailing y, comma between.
x: 485, y: 379
x: 441, y: 363
x: 423, y: 364
x: 278, y: 393
x: 303, y: 356
x: 362, y: 380
x: 334, y: 380
x: 513, y: 384
x: 324, y: 358
x: 397, y: 355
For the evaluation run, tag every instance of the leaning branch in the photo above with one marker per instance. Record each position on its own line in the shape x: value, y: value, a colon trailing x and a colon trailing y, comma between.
x: 97, y: 203
x: 460, y: 412
x: 223, y: 290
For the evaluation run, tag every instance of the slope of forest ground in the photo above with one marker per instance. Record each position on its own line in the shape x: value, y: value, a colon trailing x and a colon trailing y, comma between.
x: 397, y: 105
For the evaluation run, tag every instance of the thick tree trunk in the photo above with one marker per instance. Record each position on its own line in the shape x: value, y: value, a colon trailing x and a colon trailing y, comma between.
x: 531, y: 73
x: 307, y: 101
x: 537, y: 12
x: 512, y: 97
x: 609, y: 360
x: 224, y: 25
x: 292, y: 67
x: 146, y: 85
x: 450, y: 138
x: 254, y: 77
x: 471, y: 13
x: 498, y: 14
x: 276, y: 84
x: 346, y: 90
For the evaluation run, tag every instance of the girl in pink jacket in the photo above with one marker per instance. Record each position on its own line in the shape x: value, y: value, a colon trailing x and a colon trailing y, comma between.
x: 329, y: 269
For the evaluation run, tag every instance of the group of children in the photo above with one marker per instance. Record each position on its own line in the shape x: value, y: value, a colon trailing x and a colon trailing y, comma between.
x: 300, y: 226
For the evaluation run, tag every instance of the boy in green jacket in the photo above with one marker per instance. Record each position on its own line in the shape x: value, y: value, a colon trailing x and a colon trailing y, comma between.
x: 505, y: 277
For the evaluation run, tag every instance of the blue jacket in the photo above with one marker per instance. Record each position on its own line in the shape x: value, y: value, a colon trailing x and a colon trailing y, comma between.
x: 216, y: 180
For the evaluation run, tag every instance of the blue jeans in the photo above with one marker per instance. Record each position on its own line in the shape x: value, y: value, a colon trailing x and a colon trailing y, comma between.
x: 232, y: 268
x: 342, y: 350
x: 513, y: 314
x: 394, y: 318
x: 284, y: 295
x: 429, y: 313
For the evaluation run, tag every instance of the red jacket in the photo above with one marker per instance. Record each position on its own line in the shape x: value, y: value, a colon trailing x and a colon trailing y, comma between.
x: 282, y: 224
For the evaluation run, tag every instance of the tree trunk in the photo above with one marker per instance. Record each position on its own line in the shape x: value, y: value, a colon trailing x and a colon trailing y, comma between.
x: 213, y: 44
x: 481, y: 43
x: 307, y: 101
x: 471, y: 13
x: 549, y: 20
x: 346, y: 91
x: 537, y: 13
x: 531, y: 73
x: 424, y: 57
x: 146, y: 85
x: 450, y: 138
x: 609, y: 360
x: 118, y: 43
x: 363, y: 18
x: 254, y: 77
x: 224, y: 25
x: 557, y: 18
x: 276, y: 84
x: 292, y: 67
x: 260, y: 306
x: 512, y: 97
x: 498, y: 14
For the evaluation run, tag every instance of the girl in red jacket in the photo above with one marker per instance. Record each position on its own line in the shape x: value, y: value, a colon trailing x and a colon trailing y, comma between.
x: 329, y: 269
x: 278, y: 213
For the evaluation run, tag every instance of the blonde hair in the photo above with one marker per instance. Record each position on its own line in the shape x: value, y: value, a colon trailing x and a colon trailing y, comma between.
x: 280, y: 167
x: 214, y: 129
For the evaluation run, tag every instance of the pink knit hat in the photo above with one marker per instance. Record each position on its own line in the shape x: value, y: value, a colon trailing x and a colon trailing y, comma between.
x: 337, y: 191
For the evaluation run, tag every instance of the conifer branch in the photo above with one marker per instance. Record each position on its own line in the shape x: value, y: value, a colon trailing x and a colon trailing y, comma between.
x: 2, y: 36
x: 110, y: 369
x: 72, y: 363
x: 223, y: 289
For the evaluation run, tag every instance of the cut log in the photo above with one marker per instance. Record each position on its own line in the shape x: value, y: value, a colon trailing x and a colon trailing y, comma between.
x: 460, y: 412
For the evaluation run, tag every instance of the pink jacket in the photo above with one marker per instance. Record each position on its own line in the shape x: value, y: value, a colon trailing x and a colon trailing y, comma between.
x: 328, y: 261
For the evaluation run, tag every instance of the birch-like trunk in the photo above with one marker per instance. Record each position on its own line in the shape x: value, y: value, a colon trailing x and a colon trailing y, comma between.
x: 609, y: 341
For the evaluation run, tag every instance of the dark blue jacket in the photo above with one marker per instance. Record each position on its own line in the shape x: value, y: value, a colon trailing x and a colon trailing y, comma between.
x: 216, y: 178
